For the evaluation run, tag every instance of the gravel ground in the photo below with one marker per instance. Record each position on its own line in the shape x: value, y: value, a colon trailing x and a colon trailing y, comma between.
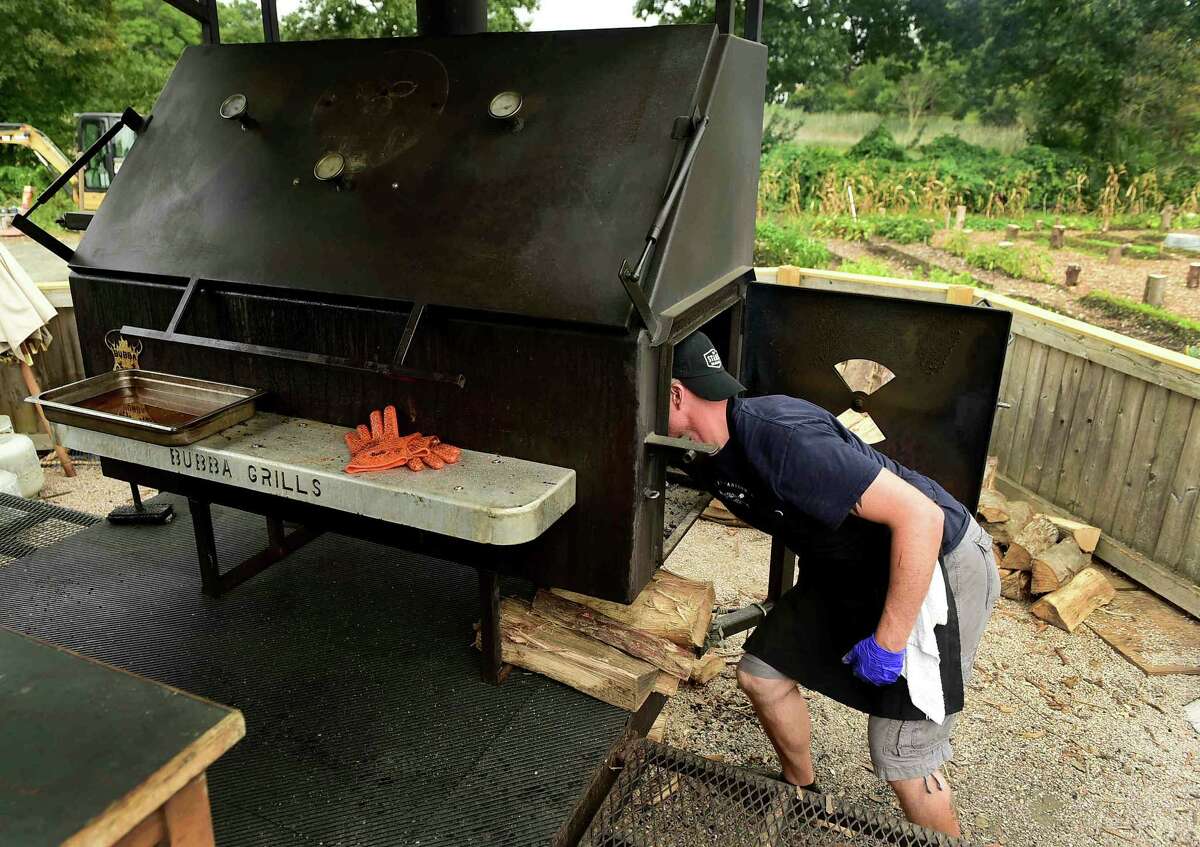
x: 1063, y: 742
x: 89, y: 491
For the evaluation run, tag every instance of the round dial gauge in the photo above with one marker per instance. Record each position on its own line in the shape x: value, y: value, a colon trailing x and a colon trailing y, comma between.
x: 329, y: 166
x: 505, y: 104
x: 233, y: 106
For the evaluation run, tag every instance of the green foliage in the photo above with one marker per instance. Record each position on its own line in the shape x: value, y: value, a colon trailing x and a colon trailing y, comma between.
x: 949, y: 278
x: 1143, y: 251
x: 1184, y: 330
x: 877, y: 144
x: 867, y: 266
x: 906, y: 230
x: 317, y: 19
x: 778, y: 243
x: 1017, y: 262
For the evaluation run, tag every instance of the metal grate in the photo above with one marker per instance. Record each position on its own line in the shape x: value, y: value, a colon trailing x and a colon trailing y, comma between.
x: 665, y: 797
x: 28, y: 525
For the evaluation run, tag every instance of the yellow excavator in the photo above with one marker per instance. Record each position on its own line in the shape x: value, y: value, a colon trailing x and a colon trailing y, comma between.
x: 89, y: 186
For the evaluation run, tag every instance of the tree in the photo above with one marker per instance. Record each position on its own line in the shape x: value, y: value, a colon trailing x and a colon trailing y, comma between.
x: 316, y: 19
x: 812, y: 43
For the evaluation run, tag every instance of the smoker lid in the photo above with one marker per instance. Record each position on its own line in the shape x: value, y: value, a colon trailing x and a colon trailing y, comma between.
x: 506, y: 172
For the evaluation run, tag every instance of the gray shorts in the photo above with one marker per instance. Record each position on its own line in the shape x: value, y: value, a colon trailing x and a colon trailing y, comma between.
x: 912, y: 749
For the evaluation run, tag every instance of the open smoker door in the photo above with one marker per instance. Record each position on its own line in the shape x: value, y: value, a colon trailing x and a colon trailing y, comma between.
x: 934, y: 398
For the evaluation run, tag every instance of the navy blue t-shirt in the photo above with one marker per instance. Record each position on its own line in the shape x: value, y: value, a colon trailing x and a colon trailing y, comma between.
x: 798, y: 462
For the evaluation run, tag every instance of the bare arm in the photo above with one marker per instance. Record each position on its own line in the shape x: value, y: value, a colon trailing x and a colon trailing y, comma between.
x: 916, y: 523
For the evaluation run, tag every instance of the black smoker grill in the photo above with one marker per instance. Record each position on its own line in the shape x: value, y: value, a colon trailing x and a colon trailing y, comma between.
x: 504, y: 234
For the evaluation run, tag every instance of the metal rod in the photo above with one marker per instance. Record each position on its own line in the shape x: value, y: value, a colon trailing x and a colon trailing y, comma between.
x: 402, y: 374
x: 186, y: 300
x: 270, y: 19
x: 489, y: 626
x: 137, y: 497
x: 65, y: 177
x: 451, y: 17
x: 754, y: 13
x: 725, y: 10
x: 206, y: 547
x: 210, y: 26
x: 410, y: 329
x: 739, y: 620
x: 22, y: 224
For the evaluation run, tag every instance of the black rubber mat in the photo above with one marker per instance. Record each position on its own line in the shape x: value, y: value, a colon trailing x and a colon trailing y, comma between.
x: 366, y: 720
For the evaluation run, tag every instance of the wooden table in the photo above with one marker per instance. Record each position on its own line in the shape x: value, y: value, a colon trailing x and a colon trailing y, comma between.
x: 93, y: 755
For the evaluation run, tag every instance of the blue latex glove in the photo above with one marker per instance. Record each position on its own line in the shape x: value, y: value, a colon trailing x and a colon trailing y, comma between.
x: 874, y: 664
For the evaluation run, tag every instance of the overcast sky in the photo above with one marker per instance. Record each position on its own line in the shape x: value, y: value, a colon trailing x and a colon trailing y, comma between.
x: 559, y: 14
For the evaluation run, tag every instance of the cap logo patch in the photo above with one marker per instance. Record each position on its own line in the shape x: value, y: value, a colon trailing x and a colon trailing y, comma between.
x: 712, y: 359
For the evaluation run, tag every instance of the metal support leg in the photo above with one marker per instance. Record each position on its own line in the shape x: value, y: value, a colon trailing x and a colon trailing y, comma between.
x: 783, y: 570
x: 494, y: 670
x: 280, y: 545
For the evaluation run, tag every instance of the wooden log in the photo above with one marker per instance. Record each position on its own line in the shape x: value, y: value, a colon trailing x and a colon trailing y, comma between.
x: 1070, y: 605
x: 1038, y: 224
x: 960, y: 217
x: 676, y: 608
x: 1168, y: 216
x: 1085, y: 535
x: 1014, y: 585
x: 666, y: 684
x: 1058, y: 236
x: 1156, y: 287
x: 993, y: 507
x: 1039, y: 535
x: 530, y: 641
x: 989, y: 471
x: 1193, y: 276
x: 1115, y: 254
x: 1012, y: 232
x: 708, y: 667
x: 1020, y: 513
x: 1072, y: 276
x: 658, y: 729
x: 1054, y: 568
x: 664, y: 654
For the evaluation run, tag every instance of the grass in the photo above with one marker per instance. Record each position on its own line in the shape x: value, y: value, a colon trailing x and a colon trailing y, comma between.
x: 1184, y: 330
x: 841, y: 130
x: 1017, y: 262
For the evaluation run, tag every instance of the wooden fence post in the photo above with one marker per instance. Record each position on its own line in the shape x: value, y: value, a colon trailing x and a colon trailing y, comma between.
x: 1012, y: 232
x: 1168, y: 215
x: 1073, y: 274
x: 1193, y: 277
x: 1115, y: 254
x: 1156, y: 285
x: 963, y: 295
x: 960, y: 217
x: 788, y: 275
x: 1058, y: 236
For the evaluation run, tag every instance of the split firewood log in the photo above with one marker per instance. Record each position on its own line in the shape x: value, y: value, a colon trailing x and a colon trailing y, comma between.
x: 1085, y: 535
x: 1014, y: 585
x: 1039, y: 535
x: 1070, y: 605
x: 993, y: 507
x: 1020, y: 513
x: 708, y: 667
x: 1053, y: 568
x: 676, y: 608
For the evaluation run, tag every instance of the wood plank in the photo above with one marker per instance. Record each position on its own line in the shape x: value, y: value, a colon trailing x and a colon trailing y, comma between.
x: 1130, y: 356
x: 1167, y: 457
x: 1189, y: 562
x: 188, y: 817
x: 1078, y: 440
x: 1163, y: 581
x: 1154, y: 636
x: 1013, y: 387
x: 1095, y: 461
x: 532, y: 642
x: 1044, y: 418
x: 1027, y: 413
x: 1137, y: 470
x: 661, y: 652
x: 1182, y: 496
x: 1109, y: 490
x: 1060, y: 427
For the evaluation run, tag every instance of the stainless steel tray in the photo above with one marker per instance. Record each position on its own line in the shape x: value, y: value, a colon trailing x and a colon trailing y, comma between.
x: 148, y: 406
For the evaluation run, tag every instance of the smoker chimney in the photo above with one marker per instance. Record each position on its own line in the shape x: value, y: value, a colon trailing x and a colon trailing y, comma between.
x: 451, y: 17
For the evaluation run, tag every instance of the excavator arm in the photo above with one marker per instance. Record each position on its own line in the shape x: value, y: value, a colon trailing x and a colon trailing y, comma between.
x: 46, y: 150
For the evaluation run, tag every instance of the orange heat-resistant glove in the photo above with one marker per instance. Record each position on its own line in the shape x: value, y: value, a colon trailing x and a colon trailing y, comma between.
x: 381, y: 446
x: 429, y: 451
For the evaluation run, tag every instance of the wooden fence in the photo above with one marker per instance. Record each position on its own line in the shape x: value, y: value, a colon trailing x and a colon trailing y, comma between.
x: 1092, y: 424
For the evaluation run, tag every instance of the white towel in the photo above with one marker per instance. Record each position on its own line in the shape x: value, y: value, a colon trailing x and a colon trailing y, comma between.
x: 24, y: 309
x: 922, y: 662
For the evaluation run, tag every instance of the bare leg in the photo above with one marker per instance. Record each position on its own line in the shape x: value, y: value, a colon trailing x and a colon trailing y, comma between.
x: 783, y: 714
x: 928, y: 802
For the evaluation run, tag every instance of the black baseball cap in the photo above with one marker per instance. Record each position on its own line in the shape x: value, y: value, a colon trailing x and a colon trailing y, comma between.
x: 698, y: 366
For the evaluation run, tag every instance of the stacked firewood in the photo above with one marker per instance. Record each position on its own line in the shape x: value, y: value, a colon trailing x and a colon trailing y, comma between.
x: 615, y: 652
x: 1047, y: 557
